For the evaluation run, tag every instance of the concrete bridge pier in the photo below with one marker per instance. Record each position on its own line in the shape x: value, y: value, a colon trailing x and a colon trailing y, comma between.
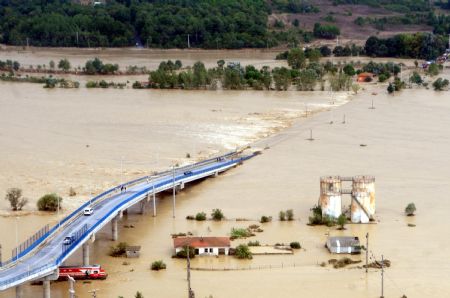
x: 19, y: 291
x: 46, y: 286
x: 115, y: 232
x: 142, y: 206
x: 86, y: 254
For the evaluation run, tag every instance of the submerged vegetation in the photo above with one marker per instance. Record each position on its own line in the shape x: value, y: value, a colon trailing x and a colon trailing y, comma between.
x: 15, y: 199
x: 49, y: 202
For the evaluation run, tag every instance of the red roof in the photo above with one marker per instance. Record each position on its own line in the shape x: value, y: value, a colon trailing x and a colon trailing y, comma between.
x: 201, y: 242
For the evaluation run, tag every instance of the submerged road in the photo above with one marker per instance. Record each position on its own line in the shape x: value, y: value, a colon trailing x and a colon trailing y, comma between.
x: 46, y: 257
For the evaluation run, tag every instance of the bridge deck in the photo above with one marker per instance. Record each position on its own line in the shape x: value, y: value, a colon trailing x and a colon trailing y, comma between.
x: 51, y: 253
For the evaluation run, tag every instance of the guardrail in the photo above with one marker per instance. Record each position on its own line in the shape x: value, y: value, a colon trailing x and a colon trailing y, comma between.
x: 84, y: 233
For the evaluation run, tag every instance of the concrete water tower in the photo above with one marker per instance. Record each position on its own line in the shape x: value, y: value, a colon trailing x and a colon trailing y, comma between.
x: 330, y: 199
x: 363, y: 199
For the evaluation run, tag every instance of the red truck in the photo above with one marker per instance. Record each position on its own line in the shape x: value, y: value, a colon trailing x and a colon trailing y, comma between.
x: 82, y: 272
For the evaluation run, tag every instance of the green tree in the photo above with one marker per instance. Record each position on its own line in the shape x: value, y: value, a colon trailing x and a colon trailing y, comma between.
x: 49, y: 202
x: 349, y: 70
x: 296, y: 58
x: 15, y: 199
x: 64, y: 64
x: 410, y: 209
x: 290, y: 214
x: 217, y: 214
x: 342, y: 221
x: 433, y: 69
x: 390, y: 88
x: 281, y: 78
x: 201, y: 216
x: 416, y: 78
x: 52, y: 64
x: 282, y: 215
x: 139, y: 294
x: 440, y: 84
x: 307, y: 80
x: 242, y: 251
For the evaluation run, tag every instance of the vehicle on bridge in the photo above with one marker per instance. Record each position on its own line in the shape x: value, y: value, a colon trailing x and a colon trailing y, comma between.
x: 69, y: 240
x: 88, y: 211
x: 82, y: 272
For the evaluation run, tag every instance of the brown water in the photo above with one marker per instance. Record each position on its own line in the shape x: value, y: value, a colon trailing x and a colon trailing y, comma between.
x: 149, y: 58
x: 407, y: 149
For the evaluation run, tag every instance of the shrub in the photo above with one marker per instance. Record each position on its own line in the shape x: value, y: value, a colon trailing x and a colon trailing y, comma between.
x: 254, y: 243
x: 217, y: 214
x: 157, y: 265
x: 14, y: 196
x: 440, y: 84
x: 201, y: 216
x: 295, y: 245
x: 282, y: 215
x: 91, y: 84
x: 49, y: 202
x: 316, y: 217
x: 190, y: 217
x: 243, y: 252
x: 342, y: 221
x: 390, y: 88
x: 382, y: 78
x: 237, y: 233
x: 410, y: 209
x: 290, y: 214
x: 118, y: 250
x: 328, y: 221
x: 139, y: 294
x: 265, y: 218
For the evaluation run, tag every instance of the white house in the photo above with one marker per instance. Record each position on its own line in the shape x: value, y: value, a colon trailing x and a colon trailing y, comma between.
x: 203, y: 245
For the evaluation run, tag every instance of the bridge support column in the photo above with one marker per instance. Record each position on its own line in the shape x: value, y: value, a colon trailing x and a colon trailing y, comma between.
x: 115, y: 233
x: 86, y: 254
x: 46, y: 286
x: 154, y: 204
x: 19, y: 291
x: 142, y: 206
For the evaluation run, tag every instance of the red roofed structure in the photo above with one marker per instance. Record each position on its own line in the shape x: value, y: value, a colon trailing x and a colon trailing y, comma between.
x: 203, y: 245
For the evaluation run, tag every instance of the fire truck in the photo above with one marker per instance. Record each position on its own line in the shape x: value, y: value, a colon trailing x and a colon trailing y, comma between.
x: 82, y: 272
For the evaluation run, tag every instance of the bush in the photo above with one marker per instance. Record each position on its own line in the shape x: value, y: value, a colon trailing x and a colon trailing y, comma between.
x: 217, y: 214
x: 410, y: 209
x: 382, y: 78
x: 243, y: 252
x: 201, y: 216
x: 295, y: 245
x: 49, y: 202
x: 91, y: 84
x: 290, y: 214
x: 118, y: 250
x: 190, y: 217
x: 157, y: 265
x: 342, y: 221
x: 282, y: 216
x: 266, y: 219
x: 440, y: 84
x: 316, y: 217
x: 237, y: 233
x: 254, y: 243
x: 14, y: 196
x: 139, y: 294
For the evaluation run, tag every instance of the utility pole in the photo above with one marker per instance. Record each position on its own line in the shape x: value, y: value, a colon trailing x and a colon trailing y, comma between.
x: 17, y: 237
x: 71, y: 289
x: 367, y: 252
x: 1, y: 256
x: 189, y: 42
x: 28, y: 43
x: 173, y: 192
x: 343, y: 120
x: 310, y: 135
x: 154, y: 200
x: 382, y: 277
x: 77, y: 39
x: 188, y: 258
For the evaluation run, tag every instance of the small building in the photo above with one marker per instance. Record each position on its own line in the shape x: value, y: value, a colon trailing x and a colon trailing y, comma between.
x: 344, y: 245
x: 203, y: 245
x: 132, y: 251
x: 365, y: 77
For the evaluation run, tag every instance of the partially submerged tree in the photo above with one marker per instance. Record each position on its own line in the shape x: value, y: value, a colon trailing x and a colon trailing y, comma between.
x: 217, y: 214
x: 410, y: 209
x: 49, y: 202
x: 282, y: 216
x: 342, y: 221
x: 243, y: 252
x: 16, y: 201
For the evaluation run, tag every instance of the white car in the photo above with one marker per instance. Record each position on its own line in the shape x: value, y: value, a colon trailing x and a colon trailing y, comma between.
x: 88, y: 211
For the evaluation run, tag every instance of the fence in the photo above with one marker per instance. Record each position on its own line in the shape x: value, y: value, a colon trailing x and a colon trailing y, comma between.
x: 75, y: 237
x: 250, y: 267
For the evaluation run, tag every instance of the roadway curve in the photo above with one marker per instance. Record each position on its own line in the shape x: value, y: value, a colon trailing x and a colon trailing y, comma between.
x: 43, y: 260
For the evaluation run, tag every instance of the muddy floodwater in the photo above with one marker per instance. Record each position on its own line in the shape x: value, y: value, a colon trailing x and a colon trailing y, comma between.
x: 52, y: 140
